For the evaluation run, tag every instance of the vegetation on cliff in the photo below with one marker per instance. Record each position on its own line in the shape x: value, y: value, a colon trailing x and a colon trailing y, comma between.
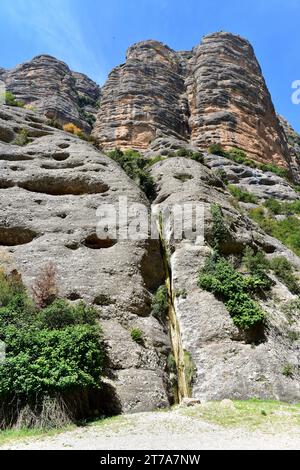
x: 52, y: 355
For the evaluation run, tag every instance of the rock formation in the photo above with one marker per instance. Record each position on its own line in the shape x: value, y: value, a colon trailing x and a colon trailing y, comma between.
x: 226, y: 364
x: 143, y: 98
x: 214, y: 94
x: 50, y: 190
x: 52, y: 184
x: 49, y: 86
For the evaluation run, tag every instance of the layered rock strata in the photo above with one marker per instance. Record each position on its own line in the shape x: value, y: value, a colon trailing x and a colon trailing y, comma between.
x: 214, y: 94
x: 49, y: 86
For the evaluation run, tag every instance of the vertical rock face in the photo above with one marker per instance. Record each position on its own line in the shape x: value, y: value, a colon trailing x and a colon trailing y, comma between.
x: 293, y: 139
x: 143, y: 99
x: 52, y: 88
x: 213, y: 94
x: 229, y: 101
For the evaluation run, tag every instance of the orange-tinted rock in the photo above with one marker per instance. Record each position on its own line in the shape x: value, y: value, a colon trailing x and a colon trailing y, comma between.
x: 143, y: 99
x: 213, y: 94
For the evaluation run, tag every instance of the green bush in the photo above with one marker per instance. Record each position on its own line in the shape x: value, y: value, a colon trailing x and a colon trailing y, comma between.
x: 239, y: 156
x: 242, y: 195
x: 136, y: 168
x: 22, y: 138
x: 285, y: 272
x: 288, y: 370
x: 183, y: 152
x: 137, y: 335
x: 187, y: 153
x: 160, y: 303
x: 197, y: 156
x: 11, y: 100
x: 220, y: 278
x: 49, y: 352
x: 219, y: 230
x: 43, y: 361
x: 286, y: 230
x: 258, y: 266
x: 222, y: 175
x: 274, y: 206
x: 61, y: 314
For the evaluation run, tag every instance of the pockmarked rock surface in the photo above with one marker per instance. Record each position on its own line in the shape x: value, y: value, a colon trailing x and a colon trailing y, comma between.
x: 214, y: 93
x: 50, y: 190
x: 49, y: 86
x: 52, y: 183
x: 226, y: 363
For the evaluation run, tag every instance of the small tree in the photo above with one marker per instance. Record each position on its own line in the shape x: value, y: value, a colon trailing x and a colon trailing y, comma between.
x: 45, y: 289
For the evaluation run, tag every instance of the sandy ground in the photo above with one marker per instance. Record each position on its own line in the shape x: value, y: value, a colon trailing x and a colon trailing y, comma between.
x: 161, y: 430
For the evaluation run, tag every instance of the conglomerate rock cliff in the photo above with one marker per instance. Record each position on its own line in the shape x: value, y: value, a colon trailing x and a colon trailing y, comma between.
x: 49, y: 86
x: 214, y: 94
x: 52, y: 183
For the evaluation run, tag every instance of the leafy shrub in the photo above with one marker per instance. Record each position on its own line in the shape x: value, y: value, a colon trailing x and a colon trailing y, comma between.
x: 219, y: 230
x: 242, y: 195
x: 288, y: 370
x: 274, y: 206
x: 220, y: 278
x: 137, y: 335
x: 54, y: 123
x: 197, y: 156
x: 183, y: 152
x: 279, y: 171
x: 9, y: 287
x: 153, y: 160
x: 11, y: 100
x: 258, y: 266
x: 61, y: 314
x: 188, y: 153
x: 136, y: 168
x: 239, y: 156
x: 160, y: 303
x: 52, y: 352
x: 44, y: 361
x: 222, y: 175
x: 285, y: 272
x: 217, y: 149
x: 286, y: 230
x: 22, y: 138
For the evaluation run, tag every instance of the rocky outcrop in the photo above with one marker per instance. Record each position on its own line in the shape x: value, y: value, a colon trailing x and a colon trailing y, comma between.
x: 214, y: 94
x: 143, y: 98
x: 50, y: 190
x: 49, y: 86
x: 293, y: 139
x: 225, y: 363
x: 229, y: 101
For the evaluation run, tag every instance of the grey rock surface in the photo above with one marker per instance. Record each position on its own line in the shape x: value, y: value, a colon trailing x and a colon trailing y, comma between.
x: 227, y: 363
x: 50, y: 190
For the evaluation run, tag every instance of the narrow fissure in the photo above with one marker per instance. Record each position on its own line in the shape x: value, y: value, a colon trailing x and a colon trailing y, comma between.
x: 182, y: 390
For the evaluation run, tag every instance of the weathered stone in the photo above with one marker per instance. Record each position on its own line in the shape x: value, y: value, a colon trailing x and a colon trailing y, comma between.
x: 262, y: 184
x: 49, y: 86
x: 227, y: 364
x: 229, y: 100
x: 50, y: 190
x: 143, y: 98
x: 214, y: 94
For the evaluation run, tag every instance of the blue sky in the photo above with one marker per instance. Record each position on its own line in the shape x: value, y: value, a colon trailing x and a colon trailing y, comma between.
x: 92, y: 35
